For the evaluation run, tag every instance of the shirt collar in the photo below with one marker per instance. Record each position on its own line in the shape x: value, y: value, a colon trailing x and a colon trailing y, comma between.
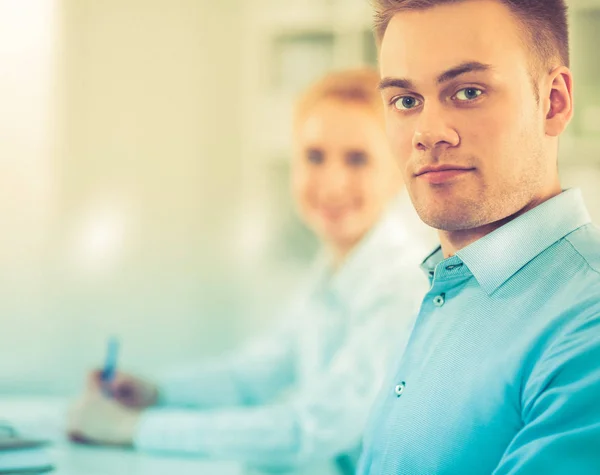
x: 431, y: 261
x: 496, y: 257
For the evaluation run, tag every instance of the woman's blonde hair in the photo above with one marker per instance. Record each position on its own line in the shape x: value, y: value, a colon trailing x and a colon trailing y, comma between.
x: 359, y: 86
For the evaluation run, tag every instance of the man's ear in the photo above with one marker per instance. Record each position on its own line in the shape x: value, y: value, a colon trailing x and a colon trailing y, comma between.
x: 559, y: 101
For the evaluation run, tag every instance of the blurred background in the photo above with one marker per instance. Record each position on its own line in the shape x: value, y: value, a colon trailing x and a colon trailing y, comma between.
x: 144, y: 155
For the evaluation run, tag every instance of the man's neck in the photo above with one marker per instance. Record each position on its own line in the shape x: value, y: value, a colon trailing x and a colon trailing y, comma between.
x: 454, y: 241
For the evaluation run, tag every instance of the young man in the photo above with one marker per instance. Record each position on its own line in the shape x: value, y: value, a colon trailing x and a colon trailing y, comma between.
x: 502, y: 371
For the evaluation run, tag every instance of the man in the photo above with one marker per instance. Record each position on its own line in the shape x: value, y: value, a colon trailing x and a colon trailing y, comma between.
x: 502, y: 371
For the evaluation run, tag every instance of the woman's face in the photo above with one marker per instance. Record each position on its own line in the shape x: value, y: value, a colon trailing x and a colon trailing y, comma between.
x: 343, y: 172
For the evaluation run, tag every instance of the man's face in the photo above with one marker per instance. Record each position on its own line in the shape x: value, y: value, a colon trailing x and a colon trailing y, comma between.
x: 462, y: 116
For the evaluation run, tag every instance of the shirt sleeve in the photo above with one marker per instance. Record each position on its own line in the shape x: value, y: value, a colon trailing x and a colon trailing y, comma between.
x: 561, y: 410
x: 317, y: 423
x: 253, y: 375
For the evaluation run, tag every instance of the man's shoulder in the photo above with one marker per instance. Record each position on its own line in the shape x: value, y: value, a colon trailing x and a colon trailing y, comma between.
x: 586, y: 242
x: 565, y: 281
x: 582, y: 287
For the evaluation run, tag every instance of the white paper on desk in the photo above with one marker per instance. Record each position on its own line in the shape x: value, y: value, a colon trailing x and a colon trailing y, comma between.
x: 36, y: 418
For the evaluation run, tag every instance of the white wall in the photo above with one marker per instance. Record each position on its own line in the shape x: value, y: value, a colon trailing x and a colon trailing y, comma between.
x: 118, y: 178
x: 121, y: 179
x: 27, y: 176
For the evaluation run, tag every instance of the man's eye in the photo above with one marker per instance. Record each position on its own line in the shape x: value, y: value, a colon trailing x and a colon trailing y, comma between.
x: 406, y: 103
x: 468, y: 94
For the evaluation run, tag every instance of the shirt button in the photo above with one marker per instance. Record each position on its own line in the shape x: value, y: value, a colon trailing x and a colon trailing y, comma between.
x: 439, y: 300
x: 398, y: 390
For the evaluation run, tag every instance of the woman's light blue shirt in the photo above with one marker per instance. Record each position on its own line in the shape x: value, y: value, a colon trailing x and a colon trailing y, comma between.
x: 303, y: 393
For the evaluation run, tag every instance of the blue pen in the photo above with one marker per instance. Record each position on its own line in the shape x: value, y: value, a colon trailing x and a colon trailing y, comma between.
x: 110, y: 364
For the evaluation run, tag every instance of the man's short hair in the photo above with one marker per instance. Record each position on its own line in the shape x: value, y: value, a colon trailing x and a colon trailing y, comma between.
x: 544, y: 24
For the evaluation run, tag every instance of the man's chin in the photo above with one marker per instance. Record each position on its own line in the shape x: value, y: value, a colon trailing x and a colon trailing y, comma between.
x: 449, y: 221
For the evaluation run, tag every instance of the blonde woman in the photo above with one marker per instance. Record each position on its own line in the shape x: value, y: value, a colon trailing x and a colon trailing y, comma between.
x: 301, y: 394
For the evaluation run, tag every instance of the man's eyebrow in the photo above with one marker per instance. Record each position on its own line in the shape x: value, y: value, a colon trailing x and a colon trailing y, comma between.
x: 399, y: 83
x: 463, y: 68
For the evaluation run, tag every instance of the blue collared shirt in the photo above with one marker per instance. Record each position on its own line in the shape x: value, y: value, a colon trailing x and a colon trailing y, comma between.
x: 502, y: 371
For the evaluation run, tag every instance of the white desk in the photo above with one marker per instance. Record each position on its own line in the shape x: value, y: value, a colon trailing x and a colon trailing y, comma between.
x: 79, y: 460
x: 45, y: 418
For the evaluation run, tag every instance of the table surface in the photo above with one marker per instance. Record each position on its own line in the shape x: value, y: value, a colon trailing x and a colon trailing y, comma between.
x: 79, y: 460
x: 45, y: 418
